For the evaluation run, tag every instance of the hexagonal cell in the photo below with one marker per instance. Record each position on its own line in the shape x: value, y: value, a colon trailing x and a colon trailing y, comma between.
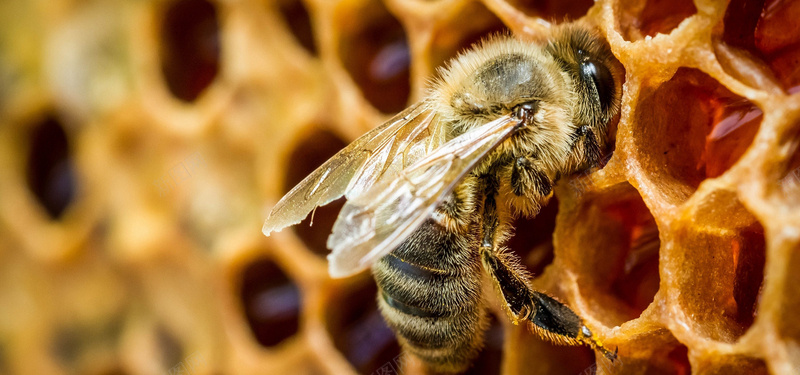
x: 554, y: 10
x: 533, y: 238
x: 297, y: 19
x: 716, y: 266
x: 653, y: 17
x: 358, y: 329
x: 613, y: 244
x: 190, y: 48
x: 50, y: 174
x: 768, y: 30
x: 375, y: 52
x: 457, y: 36
x: 710, y: 132
x: 271, y: 302
x: 307, y: 155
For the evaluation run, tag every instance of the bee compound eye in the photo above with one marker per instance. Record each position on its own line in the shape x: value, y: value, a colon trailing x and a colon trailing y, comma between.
x: 602, y: 79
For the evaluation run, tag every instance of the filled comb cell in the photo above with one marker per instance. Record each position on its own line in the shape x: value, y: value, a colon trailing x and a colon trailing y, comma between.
x: 50, y: 171
x: 652, y: 17
x: 768, y: 31
x: 777, y: 36
x: 359, y: 331
x: 716, y: 266
x: 375, y: 53
x: 190, y: 47
x: 708, y: 135
x: 271, y: 302
x: 308, y: 154
x: 615, y: 251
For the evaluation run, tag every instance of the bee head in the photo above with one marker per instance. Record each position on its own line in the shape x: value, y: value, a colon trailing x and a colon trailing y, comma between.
x: 595, y: 72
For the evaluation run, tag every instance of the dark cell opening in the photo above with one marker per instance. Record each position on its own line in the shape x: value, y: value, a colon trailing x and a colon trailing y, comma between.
x: 741, y: 18
x: 190, y: 49
x: 679, y: 358
x: 638, y: 281
x: 777, y: 36
x: 533, y: 238
x: 451, y: 41
x: 490, y: 358
x: 298, y: 20
x: 359, y: 331
x: 271, y: 302
x: 554, y: 10
x: 653, y: 17
x: 309, y: 154
x: 169, y: 347
x: 375, y: 52
x: 769, y: 32
x: 749, y: 257
x: 704, y: 139
x: 617, y: 252
x: 662, y: 16
x: 719, y: 267
x: 50, y: 174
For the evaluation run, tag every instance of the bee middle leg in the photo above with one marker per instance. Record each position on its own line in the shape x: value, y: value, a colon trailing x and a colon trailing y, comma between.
x: 547, y: 317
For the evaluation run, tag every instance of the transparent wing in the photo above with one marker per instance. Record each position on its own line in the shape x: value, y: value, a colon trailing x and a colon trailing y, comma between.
x: 381, y: 152
x: 375, y: 222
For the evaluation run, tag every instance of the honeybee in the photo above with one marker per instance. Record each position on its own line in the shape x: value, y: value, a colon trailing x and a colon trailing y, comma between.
x: 431, y: 193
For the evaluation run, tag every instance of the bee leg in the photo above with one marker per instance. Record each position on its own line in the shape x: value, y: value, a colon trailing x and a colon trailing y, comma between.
x: 526, y: 177
x: 557, y: 322
x: 547, y: 317
x: 584, y: 137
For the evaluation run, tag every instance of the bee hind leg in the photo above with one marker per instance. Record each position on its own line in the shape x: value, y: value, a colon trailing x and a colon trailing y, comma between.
x: 557, y: 322
x: 546, y: 316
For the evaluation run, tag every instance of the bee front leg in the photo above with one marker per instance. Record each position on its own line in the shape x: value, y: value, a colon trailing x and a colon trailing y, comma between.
x: 586, y: 147
x: 547, y: 317
x: 527, y: 177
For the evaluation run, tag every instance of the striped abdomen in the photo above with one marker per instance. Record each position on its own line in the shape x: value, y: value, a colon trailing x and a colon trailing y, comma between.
x: 430, y: 294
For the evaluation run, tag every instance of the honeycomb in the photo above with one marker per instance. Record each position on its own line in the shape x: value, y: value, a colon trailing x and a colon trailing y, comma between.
x: 143, y: 142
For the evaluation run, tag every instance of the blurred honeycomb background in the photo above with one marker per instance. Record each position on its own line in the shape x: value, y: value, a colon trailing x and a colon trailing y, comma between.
x: 142, y: 143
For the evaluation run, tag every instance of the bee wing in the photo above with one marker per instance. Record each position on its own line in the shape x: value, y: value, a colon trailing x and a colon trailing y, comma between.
x: 378, y: 153
x: 375, y: 222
